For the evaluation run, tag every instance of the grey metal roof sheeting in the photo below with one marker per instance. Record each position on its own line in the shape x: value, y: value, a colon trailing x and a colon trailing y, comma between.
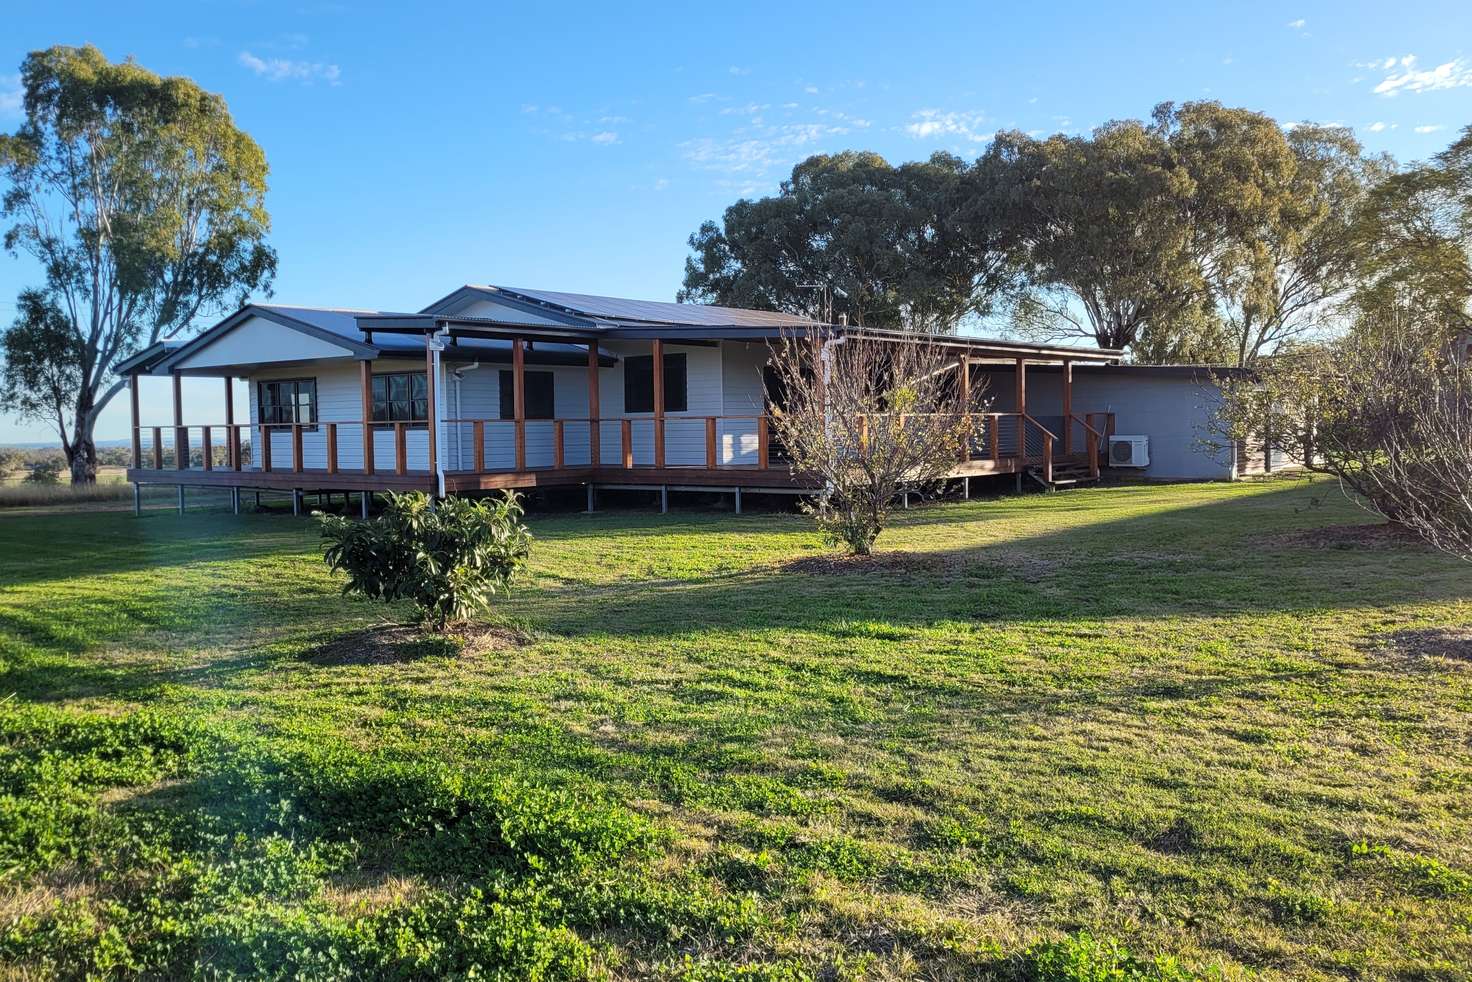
x: 337, y: 320
x: 654, y: 311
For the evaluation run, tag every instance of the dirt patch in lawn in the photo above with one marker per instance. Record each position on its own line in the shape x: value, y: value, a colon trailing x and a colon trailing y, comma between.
x: 1177, y: 839
x: 1382, y: 536
x: 1450, y: 643
x: 390, y: 644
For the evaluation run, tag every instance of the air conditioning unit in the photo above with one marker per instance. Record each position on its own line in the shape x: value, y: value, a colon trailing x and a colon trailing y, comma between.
x: 1129, y: 451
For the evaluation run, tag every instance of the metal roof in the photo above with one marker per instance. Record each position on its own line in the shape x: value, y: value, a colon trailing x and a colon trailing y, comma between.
x: 650, y: 311
x: 335, y: 320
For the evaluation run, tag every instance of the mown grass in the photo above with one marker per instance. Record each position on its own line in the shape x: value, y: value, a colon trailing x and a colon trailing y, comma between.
x: 1143, y: 732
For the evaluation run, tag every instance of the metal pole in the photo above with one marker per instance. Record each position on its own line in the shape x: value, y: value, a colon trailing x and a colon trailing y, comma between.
x: 664, y: 499
x: 137, y: 498
x: 181, y: 498
x: 296, y: 502
x: 364, y: 505
x: 738, y: 499
x: 590, y: 497
x: 965, y: 488
x: 235, y: 500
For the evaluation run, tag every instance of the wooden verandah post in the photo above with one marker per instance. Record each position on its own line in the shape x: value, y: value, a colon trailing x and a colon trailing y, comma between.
x: 963, y: 365
x: 595, y: 455
x: 658, y: 403
x: 181, y: 435
x: 1067, y: 406
x: 137, y: 437
x: 365, y: 376
x: 518, y: 401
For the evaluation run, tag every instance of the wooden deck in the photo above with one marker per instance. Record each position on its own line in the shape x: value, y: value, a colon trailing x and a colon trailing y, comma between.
x: 1002, y: 443
x: 459, y: 482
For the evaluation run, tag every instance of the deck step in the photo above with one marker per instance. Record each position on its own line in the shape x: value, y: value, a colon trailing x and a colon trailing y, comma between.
x: 1064, y: 476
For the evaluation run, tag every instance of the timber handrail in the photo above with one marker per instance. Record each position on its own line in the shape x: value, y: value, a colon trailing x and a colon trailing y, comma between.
x: 705, y: 441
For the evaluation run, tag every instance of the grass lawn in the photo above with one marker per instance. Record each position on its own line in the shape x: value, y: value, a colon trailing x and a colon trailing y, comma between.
x: 1033, y: 732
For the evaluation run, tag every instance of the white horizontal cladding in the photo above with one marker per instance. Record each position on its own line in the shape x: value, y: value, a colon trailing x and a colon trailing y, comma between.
x: 476, y: 395
x: 722, y: 382
x: 742, y: 384
x: 256, y: 340
x: 340, y: 401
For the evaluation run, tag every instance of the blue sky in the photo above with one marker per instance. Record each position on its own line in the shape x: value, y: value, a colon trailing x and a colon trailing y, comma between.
x: 416, y: 147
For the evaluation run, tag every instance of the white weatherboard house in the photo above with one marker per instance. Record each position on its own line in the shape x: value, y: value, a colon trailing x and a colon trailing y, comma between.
x: 492, y: 387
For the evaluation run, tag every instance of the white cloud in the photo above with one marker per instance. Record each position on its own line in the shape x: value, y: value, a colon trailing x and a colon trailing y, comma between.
x: 11, y: 95
x: 1430, y: 128
x: 750, y: 109
x: 604, y: 137
x: 703, y: 98
x: 738, y: 70
x: 1376, y: 127
x: 1298, y: 24
x: 661, y: 183
x: 927, y: 124
x: 754, y: 151
x: 613, y: 120
x: 810, y: 89
x: 1406, y: 77
x: 285, y: 69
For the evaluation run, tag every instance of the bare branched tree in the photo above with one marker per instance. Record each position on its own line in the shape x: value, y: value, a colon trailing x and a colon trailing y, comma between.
x: 872, y: 420
x: 1415, y: 408
x: 1387, y: 410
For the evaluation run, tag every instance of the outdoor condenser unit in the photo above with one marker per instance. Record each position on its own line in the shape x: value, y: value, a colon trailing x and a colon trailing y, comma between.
x: 1129, y: 451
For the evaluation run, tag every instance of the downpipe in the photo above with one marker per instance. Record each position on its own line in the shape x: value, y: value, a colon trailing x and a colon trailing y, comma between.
x: 436, y: 342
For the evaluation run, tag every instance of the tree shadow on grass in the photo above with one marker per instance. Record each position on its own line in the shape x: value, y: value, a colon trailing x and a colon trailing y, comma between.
x: 58, y: 546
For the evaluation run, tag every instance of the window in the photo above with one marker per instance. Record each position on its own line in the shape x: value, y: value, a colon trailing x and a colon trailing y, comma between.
x: 401, y: 397
x: 539, y: 401
x: 289, y: 401
x: 639, y: 384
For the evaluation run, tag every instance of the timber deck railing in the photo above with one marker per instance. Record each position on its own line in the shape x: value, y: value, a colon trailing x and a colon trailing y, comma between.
x: 473, y: 445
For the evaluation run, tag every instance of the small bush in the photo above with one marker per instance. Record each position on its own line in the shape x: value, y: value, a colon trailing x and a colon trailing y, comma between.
x: 44, y: 470
x: 450, y: 558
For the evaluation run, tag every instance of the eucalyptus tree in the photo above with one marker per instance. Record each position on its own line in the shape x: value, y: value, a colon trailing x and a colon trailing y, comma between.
x: 1272, y: 215
x: 1416, y: 231
x: 144, y: 205
x: 885, y: 246
x: 1104, y: 232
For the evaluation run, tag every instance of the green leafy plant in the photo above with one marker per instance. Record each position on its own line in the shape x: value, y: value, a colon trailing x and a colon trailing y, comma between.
x: 1084, y: 958
x: 450, y: 558
x: 44, y: 470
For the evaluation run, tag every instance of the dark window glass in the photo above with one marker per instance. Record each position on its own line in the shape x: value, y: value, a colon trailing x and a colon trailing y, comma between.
x: 540, y: 403
x: 289, y: 401
x: 639, y: 384
x: 401, y: 397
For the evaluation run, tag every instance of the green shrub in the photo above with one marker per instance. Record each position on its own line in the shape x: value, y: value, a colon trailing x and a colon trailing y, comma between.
x: 450, y: 558
x: 45, y: 470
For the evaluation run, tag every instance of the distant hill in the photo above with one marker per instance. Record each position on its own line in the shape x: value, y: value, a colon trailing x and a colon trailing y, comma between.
x: 54, y: 445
